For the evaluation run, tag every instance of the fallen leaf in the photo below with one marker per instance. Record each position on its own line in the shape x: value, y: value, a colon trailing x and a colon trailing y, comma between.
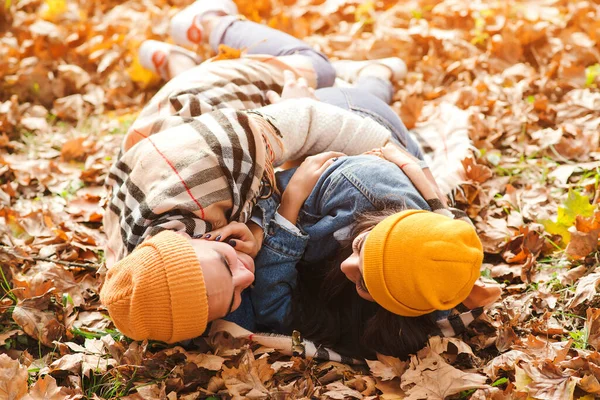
x: 585, y: 289
x: 430, y: 377
x: 46, y: 389
x: 13, y: 378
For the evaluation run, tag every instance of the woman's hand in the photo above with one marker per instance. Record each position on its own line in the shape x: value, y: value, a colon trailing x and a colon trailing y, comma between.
x: 303, y: 182
x: 421, y: 178
x: 398, y: 155
x: 292, y: 89
x: 246, y: 238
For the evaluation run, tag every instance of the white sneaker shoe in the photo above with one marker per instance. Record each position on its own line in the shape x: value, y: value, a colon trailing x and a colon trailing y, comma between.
x: 349, y: 71
x: 186, y: 27
x: 154, y: 56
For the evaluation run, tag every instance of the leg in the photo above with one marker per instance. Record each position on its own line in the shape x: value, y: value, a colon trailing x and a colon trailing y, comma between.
x: 368, y: 104
x: 260, y: 39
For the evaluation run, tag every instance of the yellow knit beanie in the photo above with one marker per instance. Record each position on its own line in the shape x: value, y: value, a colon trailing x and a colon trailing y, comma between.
x: 157, y: 292
x: 416, y: 262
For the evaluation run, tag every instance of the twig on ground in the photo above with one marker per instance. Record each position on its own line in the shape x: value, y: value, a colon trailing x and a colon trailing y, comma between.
x: 71, y: 264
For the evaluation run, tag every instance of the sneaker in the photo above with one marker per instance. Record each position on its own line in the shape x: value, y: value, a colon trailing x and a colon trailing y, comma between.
x: 154, y: 56
x: 349, y: 70
x: 186, y: 27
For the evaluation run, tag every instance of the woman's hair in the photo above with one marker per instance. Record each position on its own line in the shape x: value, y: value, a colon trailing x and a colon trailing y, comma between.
x: 329, y: 311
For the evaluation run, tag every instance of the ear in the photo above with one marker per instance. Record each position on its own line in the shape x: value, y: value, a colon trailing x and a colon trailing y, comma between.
x: 483, y: 295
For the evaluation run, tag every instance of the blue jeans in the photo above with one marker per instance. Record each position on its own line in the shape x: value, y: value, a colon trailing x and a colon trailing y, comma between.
x: 370, y: 97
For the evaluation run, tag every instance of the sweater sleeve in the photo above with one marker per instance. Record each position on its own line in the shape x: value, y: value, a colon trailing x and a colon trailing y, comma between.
x: 306, y: 127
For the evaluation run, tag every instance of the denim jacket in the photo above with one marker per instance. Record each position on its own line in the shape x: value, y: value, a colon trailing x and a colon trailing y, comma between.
x: 350, y: 186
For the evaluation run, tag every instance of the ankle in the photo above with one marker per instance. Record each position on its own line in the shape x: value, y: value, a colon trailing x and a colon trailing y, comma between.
x: 209, y: 21
x: 376, y: 71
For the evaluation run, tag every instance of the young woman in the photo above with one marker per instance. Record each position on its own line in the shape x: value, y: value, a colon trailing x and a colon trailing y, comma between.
x: 308, y: 245
x: 192, y: 163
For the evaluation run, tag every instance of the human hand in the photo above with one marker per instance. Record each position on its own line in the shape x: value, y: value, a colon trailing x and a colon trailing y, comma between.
x: 375, y: 152
x: 303, y: 182
x: 292, y: 89
x: 398, y: 155
x: 246, y: 238
x: 422, y: 179
x: 308, y: 173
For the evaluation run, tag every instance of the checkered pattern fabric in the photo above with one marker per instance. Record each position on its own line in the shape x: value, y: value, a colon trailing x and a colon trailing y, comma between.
x: 192, y: 162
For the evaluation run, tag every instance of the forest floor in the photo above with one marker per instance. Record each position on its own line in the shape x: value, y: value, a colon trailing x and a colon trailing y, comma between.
x: 525, y: 77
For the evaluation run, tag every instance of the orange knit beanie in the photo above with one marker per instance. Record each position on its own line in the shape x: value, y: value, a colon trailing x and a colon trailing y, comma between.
x: 157, y: 292
x: 416, y: 262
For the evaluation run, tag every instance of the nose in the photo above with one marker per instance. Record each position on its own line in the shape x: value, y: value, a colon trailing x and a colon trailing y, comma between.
x: 349, y: 264
x: 243, y: 278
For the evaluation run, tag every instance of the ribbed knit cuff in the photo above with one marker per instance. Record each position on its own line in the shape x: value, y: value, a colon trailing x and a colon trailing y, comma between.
x: 189, y: 303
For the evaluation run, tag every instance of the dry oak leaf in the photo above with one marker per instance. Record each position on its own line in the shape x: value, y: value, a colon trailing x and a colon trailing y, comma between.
x: 582, y: 244
x: 13, y: 379
x: 547, y: 381
x: 206, y: 361
x: 337, y: 390
x: 430, y: 377
x: 46, y: 389
x: 4, y: 336
x: 585, y: 290
x: 247, y: 381
x: 41, y: 325
x: 592, y: 327
x: 387, y: 367
x: 82, y: 364
x: 590, y: 384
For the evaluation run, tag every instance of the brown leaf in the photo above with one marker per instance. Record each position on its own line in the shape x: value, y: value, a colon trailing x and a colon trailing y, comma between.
x: 207, y: 361
x: 387, y: 367
x: 248, y: 379
x: 37, y: 321
x: 548, y: 381
x: 592, y: 327
x: 585, y: 290
x: 82, y: 364
x: 13, y: 378
x: 582, y: 243
x: 590, y: 384
x: 430, y: 377
x: 46, y: 389
x: 337, y: 390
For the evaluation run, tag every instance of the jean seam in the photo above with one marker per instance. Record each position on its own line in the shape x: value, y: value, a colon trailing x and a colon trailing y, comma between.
x: 382, y: 121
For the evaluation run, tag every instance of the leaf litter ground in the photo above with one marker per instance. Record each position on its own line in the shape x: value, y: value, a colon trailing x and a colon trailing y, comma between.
x: 525, y: 77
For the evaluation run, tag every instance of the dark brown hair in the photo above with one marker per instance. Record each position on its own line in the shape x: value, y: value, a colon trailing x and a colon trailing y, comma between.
x: 328, y: 310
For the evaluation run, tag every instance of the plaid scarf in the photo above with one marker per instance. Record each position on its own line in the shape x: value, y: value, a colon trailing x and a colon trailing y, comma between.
x: 191, y: 162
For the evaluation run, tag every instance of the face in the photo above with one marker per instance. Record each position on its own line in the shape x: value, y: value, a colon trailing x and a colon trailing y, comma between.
x: 226, y: 274
x: 352, y: 266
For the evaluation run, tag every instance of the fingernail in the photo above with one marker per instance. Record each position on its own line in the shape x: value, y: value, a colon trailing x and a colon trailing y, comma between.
x: 207, y: 236
x: 232, y: 243
x: 218, y: 238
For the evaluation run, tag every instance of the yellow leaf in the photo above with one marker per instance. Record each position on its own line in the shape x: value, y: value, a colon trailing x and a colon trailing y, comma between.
x: 522, y: 380
x: 227, y: 53
x: 364, y: 12
x: 52, y: 9
x: 141, y: 75
x: 575, y: 205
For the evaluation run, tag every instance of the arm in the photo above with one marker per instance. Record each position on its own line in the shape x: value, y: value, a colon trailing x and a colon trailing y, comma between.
x: 420, y: 177
x: 284, y: 246
x: 306, y: 127
x: 276, y: 275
